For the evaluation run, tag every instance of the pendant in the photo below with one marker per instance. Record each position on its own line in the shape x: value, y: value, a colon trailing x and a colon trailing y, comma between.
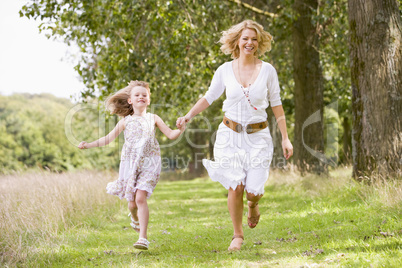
x: 247, y: 95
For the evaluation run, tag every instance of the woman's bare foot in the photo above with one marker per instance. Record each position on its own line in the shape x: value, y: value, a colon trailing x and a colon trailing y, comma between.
x: 237, y: 241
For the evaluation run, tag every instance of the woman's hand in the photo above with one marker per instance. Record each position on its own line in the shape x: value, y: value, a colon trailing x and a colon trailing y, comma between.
x: 83, y: 145
x: 287, y: 148
x: 200, y: 106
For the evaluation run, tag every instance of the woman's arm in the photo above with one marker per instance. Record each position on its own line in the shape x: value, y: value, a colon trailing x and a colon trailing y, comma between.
x: 104, y: 140
x: 200, y: 106
x: 281, y: 120
x: 215, y: 90
x: 171, y: 134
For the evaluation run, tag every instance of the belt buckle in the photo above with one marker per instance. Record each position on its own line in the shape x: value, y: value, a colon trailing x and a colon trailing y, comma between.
x: 238, y: 128
x: 249, y: 129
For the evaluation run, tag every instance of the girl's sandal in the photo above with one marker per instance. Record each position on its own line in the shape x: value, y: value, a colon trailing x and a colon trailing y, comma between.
x: 236, y: 248
x: 253, y: 220
x: 134, y: 224
x: 142, y: 243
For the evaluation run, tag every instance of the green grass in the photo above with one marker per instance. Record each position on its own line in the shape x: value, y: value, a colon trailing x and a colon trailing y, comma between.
x: 310, y: 222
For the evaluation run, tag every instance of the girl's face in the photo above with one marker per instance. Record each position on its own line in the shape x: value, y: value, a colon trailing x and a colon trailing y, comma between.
x: 139, y: 97
x: 248, y: 42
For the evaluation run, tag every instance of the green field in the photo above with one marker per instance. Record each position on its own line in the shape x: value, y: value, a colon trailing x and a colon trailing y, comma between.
x: 305, y: 221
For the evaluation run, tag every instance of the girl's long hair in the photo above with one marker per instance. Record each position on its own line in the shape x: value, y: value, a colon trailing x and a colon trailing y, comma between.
x: 230, y: 38
x: 118, y: 102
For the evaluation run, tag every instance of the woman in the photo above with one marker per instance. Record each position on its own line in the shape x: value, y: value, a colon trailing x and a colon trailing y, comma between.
x: 243, y: 148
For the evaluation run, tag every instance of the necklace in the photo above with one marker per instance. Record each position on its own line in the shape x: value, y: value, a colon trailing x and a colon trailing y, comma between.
x: 246, y: 91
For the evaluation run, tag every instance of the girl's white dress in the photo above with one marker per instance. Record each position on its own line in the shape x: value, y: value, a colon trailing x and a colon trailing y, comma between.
x: 140, y: 162
x: 241, y: 158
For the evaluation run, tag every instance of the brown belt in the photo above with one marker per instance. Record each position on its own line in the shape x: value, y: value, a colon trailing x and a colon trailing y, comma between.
x: 250, y: 128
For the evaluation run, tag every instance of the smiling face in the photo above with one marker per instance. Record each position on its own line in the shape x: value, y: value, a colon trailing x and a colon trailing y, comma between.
x: 139, y: 97
x: 248, y: 42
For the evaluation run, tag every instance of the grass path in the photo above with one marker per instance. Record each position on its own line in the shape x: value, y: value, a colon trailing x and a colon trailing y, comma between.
x: 190, y: 227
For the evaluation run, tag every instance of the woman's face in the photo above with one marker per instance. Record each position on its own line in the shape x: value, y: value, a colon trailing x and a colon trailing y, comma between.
x: 248, y: 42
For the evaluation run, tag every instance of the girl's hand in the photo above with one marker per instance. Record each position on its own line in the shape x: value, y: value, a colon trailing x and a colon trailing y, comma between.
x: 287, y: 148
x: 182, y: 127
x: 83, y: 145
x: 181, y: 121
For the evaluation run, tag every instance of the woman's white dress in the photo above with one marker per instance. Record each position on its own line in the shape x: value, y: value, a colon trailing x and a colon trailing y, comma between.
x: 241, y: 158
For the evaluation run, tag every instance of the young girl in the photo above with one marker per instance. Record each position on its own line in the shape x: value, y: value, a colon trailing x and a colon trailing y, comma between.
x: 140, y: 164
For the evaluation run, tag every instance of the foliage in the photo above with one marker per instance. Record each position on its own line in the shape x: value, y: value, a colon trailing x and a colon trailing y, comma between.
x: 334, y: 30
x: 311, y: 221
x: 33, y: 134
x: 174, y: 46
x: 171, y: 44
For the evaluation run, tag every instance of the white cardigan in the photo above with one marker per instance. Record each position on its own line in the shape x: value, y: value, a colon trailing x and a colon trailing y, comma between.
x: 264, y: 91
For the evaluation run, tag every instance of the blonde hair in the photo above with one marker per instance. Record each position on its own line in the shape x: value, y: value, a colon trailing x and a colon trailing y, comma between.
x: 118, y: 102
x: 230, y: 38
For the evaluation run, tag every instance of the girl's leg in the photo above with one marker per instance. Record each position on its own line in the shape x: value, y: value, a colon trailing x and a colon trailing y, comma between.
x: 143, y: 212
x: 132, y: 206
x: 235, y: 206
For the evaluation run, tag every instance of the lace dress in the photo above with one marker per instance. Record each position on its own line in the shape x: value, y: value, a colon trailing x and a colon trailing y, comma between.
x: 140, y: 162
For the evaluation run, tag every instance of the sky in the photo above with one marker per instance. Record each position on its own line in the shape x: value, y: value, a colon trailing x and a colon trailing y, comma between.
x: 29, y: 62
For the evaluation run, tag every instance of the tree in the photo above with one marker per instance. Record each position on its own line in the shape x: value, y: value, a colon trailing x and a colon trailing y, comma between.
x: 376, y: 73
x: 308, y: 91
x: 171, y: 44
x: 33, y: 131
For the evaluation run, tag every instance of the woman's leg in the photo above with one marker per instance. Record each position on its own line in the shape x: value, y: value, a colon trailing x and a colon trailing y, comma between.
x: 143, y: 212
x: 252, y: 199
x: 235, y: 205
x: 253, y: 211
x: 256, y: 178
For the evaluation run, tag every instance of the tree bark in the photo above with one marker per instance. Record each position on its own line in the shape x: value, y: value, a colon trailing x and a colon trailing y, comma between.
x: 307, y: 73
x: 375, y: 57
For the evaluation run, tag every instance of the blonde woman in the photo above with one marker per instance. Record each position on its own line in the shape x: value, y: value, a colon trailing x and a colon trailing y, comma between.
x: 140, y: 163
x: 243, y: 148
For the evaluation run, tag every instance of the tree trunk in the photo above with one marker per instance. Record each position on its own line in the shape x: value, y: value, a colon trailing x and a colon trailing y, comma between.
x: 375, y: 57
x: 309, y: 127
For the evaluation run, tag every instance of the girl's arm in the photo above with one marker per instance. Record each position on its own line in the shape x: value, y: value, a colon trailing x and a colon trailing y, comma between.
x: 280, y: 119
x: 171, y: 134
x: 104, y: 140
x: 200, y: 106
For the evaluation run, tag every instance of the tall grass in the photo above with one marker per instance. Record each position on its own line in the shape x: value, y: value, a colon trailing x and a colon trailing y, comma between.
x: 387, y: 192
x: 378, y: 191
x: 34, y: 208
